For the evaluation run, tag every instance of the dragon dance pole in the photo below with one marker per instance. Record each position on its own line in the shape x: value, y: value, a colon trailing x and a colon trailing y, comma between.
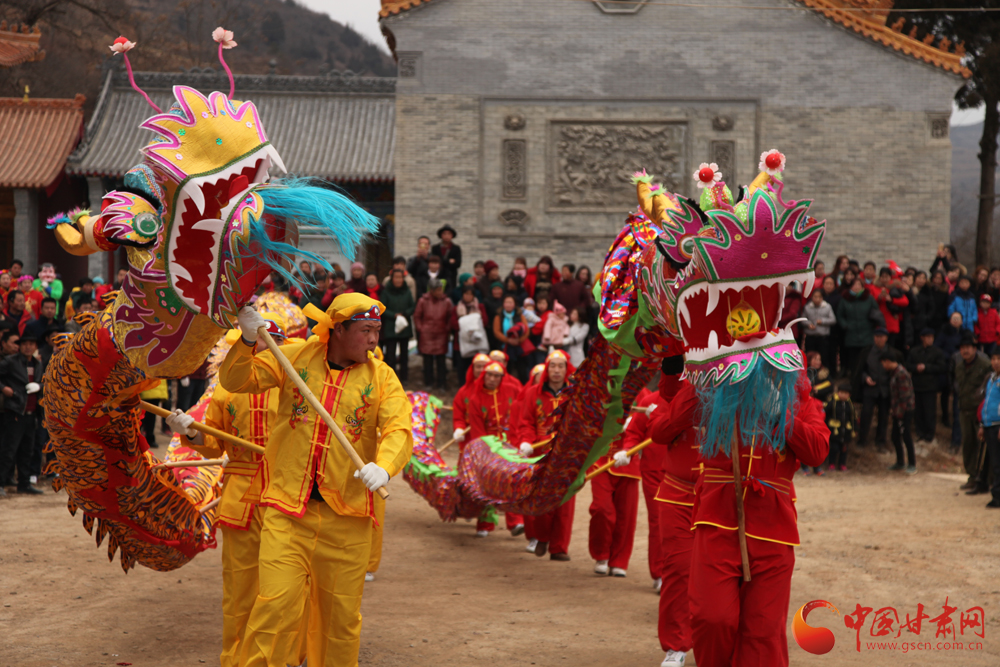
x: 447, y: 445
x: 208, y: 430
x: 740, y: 521
x: 607, y: 466
x: 307, y: 394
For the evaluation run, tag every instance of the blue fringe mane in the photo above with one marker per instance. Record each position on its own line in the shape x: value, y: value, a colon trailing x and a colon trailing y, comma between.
x: 305, y: 202
x: 758, y: 406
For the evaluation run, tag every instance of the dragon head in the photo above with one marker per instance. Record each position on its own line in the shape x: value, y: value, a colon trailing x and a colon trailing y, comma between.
x: 204, y: 227
x: 726, y: 304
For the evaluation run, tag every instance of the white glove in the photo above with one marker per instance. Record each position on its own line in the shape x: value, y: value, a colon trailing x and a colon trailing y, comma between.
x: 185, y: 382
x: 32, y: 388
x: 527, y: 451
x: 627, y: 422
x: 373, y: 476
x: 180, y: 422
x: 401, y: 323
x: 650, y: 408
x: 250, y: 320
x: 459, y: 435
x: 622, y: 458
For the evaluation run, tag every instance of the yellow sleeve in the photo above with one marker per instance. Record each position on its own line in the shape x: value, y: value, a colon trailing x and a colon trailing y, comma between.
x: 211, y: 447
x: 243, y: 372
x: 395, y: 421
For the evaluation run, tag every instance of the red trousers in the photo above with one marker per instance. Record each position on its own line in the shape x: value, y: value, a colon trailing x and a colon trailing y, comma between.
x: 613, y: 513
x: 510, y: 519
x: 556, y: 527
x: 676, y: 542
x: 650, y: 483
x: 732, y: 622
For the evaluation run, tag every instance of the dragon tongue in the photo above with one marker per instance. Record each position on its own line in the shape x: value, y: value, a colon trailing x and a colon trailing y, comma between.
x: 238, y: 185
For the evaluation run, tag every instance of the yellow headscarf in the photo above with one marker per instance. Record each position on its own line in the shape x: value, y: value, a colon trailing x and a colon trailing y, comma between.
x: 351, y: 306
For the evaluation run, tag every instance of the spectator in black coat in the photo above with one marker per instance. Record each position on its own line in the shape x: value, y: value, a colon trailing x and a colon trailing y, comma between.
x: 20, y: 384
x: 873, y: 382
x: 939, y: 294
x: 417, y: 266
x: 948, y: 338
x: 927, y: 365
x: 450, y: 254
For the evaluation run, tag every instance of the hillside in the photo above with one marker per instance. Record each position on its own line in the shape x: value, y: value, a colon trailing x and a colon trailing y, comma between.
x: 965, y: 191
x: 176, y: 34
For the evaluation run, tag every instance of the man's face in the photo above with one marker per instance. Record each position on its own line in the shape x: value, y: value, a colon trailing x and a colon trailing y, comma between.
x: 477, y: 368
x: 927, y: 340
x: 10, y: 346
x: 492, y: 380
x: 24, y: 286
x: 557, y: 370
x: 956, y: 320
x: 881, y: 340
x: 494, y: 274
x: 397, y: 279
x: 356, y: 340
x: 968, y: 352
x: 87, y: 307
x: 15, y: 270
x: 566, y: 273
x: 870, y: 273
x: 28, y: 347
x: 87, y: 288
x: 305, y: 268
x: 479, y: 271
x: 48, y: 310
x: 817, y: 298
x: 446, y: 236
x: 423, y: 246
x: 18, y: 304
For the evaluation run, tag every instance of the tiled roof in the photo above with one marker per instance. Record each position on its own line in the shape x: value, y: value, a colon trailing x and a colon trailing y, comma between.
x: 19, y: 45
x: 339, y: 127
x: 871, y: 23
x: 35, y: 138
x: 390, y: 7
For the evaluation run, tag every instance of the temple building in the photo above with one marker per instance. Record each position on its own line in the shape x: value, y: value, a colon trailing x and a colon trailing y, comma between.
x: 520, y: 122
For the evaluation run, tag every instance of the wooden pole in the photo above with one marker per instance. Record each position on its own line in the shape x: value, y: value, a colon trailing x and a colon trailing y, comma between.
x: 307, y: 394
x: 210, y: 505
x: 447, y: 445
x: 447, y: 407
x: 192, y: 464
x: 607, y: 466
x: 198, y: 426
x: 639, y: 408
x: 542, y: 443
x: 740, y: 520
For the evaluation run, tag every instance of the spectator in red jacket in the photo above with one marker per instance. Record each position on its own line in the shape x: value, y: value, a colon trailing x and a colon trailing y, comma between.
x: 988, y: 325
x: 432, y: 321
x: 890, y: 294
x: 541, y: 278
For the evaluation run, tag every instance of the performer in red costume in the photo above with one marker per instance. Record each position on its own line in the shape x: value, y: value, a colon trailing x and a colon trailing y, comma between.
x: 461, y: 401
x: 501, y: 358
x: 615, y: 505
x: 675, y: 442
x: 735, y: 622
x: 489, y: 411
x: 535, y: 423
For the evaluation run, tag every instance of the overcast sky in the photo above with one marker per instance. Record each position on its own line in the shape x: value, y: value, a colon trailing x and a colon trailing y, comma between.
x: 362, y: 15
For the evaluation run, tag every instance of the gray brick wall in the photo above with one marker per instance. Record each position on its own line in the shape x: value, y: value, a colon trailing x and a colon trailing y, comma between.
x: 852, y: 116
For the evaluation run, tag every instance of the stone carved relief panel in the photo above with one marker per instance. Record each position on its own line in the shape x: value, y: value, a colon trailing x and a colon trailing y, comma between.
x: 591, y: 162
x: 515, y: 168
x: 723, y: 153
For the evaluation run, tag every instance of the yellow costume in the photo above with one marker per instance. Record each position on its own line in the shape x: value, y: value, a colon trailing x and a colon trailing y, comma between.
x: 323, y: 544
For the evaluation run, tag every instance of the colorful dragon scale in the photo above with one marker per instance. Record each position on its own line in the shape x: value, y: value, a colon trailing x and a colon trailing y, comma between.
x: 203, y: 228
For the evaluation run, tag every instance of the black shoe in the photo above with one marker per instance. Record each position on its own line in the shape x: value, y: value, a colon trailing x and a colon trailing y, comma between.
x: 976, y: 490
x: 896, y: 466
x: 541, y: 548
x: 30, y: 491
x: 968, y: 485
x: 993, y: 504
x: 559, y: 557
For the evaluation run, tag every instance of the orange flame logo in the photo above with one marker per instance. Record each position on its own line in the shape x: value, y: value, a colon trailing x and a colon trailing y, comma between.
x: 814, y: 640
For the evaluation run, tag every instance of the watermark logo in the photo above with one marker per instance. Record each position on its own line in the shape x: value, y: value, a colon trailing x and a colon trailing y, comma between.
x: 814, y: 640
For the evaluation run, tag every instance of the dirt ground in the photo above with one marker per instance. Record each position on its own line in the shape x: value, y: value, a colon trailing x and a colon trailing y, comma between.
x: 444, y: 598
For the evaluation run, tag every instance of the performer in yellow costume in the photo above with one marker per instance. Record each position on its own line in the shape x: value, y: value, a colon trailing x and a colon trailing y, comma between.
x: 316, y: 533
x: 248, y: 416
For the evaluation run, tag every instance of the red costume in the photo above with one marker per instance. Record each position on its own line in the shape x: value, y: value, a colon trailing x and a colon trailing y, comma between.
x: 535, y: 423
x: 460, y: 404
x: 675, y: 439
x: 732, y: 622
x: 615, y: 504
x: 490, y: 413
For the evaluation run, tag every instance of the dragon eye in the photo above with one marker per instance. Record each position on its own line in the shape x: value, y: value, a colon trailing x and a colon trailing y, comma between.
x: 146, y: 224
x: 687, y: 246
